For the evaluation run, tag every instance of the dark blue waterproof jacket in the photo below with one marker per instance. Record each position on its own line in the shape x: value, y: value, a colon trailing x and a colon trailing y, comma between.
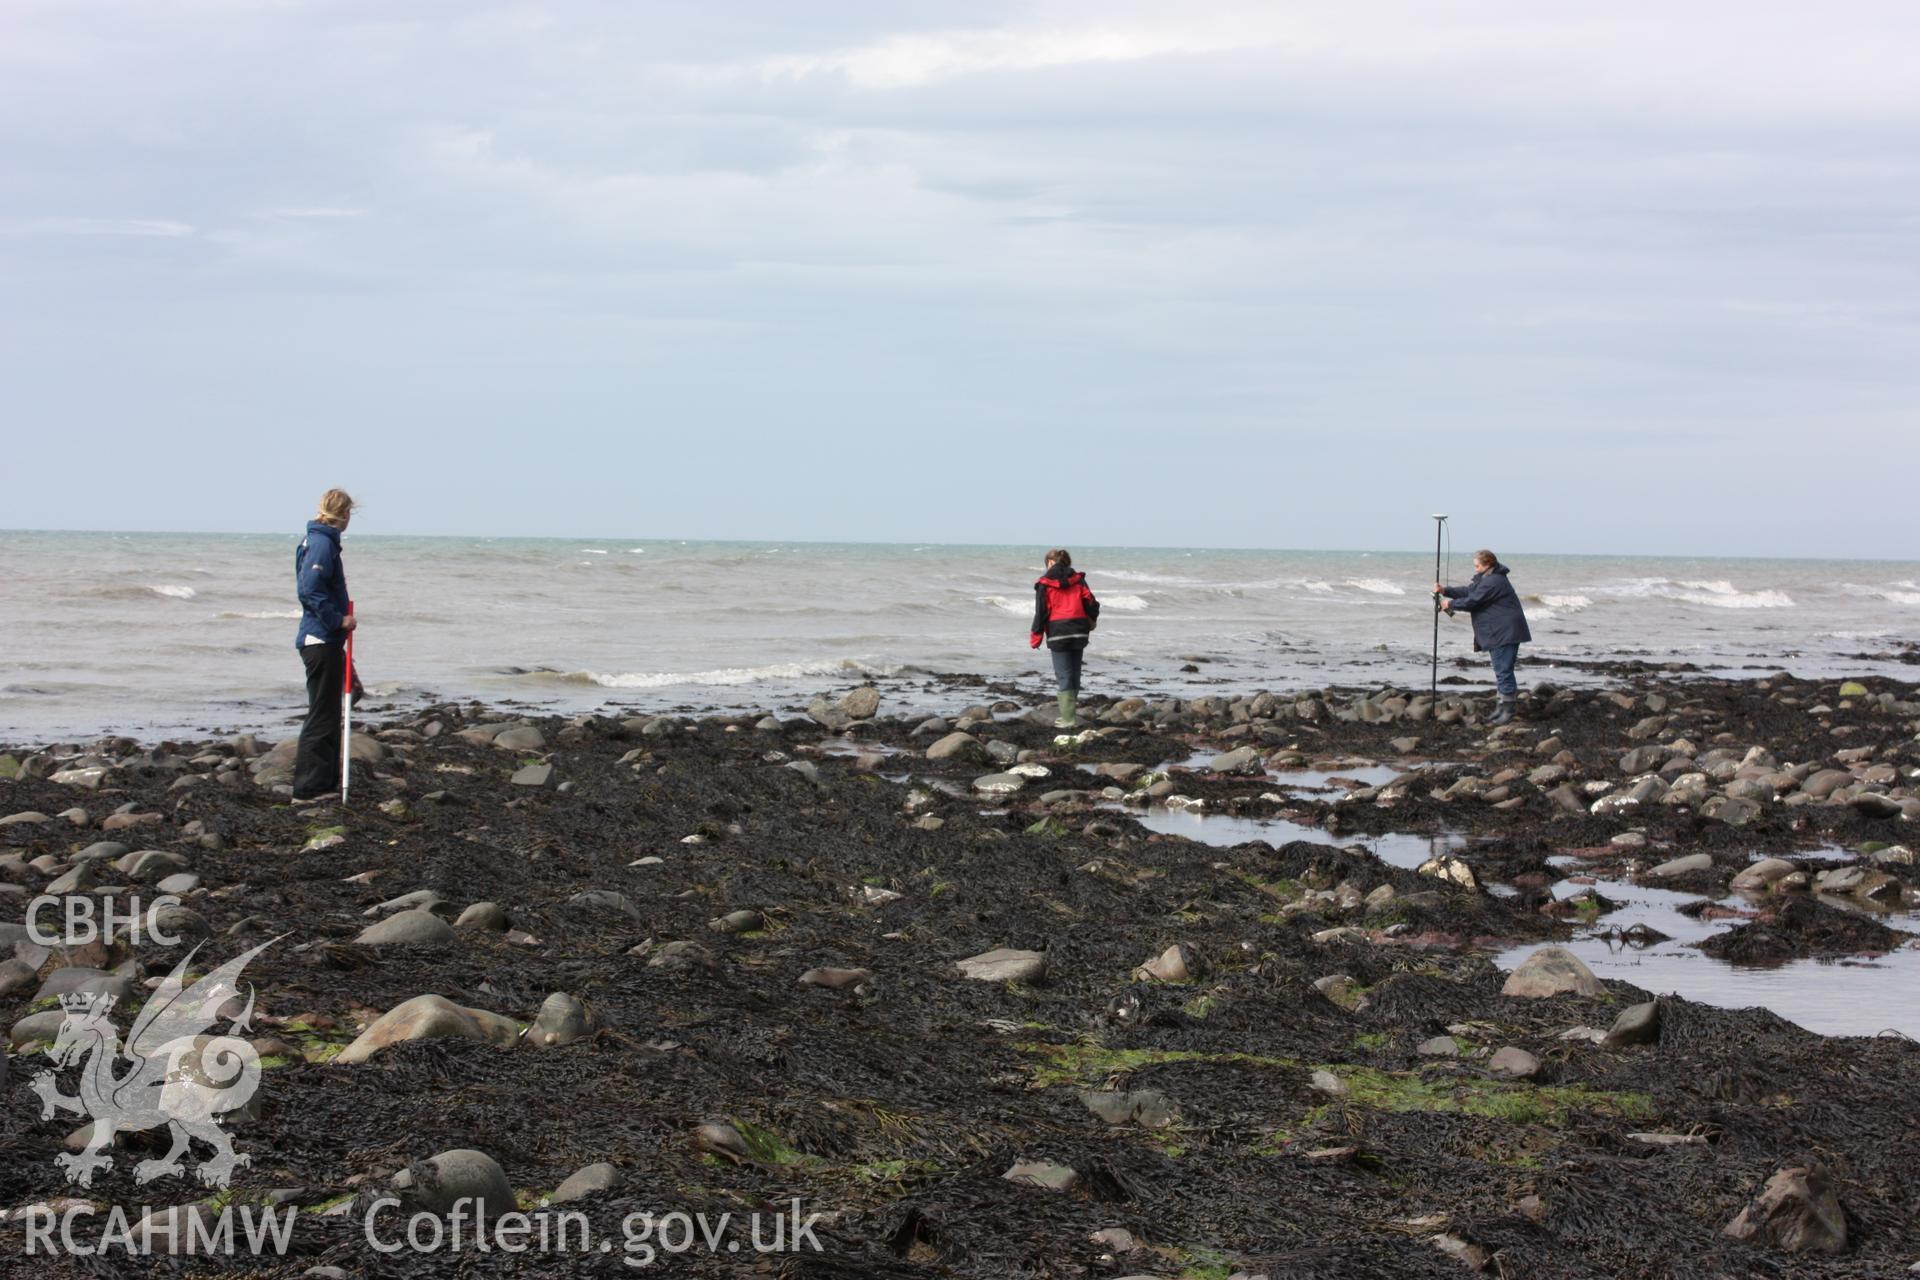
x: 321, y: 581
x: 1495, y: 606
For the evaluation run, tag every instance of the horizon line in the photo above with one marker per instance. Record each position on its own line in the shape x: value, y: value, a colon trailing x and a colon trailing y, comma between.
x: 961, y: 546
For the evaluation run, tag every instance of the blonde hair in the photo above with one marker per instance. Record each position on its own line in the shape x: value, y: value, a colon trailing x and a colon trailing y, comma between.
x: 335, y: 506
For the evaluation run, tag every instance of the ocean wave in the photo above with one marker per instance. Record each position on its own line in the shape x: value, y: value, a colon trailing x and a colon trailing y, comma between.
x: 1001, y: 602
x: 172, y: 592
x: 722, y: 676
x: 1902, y: 592
x: 1314, y: 584
x: 1152, y: 579
x: 1563, y: 604
x: 592, y: 551
x: 1379, y: 586
x: 1717, y: 593
x: 1128, y: 603
x: 233, y: 615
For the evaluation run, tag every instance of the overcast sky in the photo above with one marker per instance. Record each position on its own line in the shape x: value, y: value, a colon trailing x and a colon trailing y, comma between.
x: 1634, y: 277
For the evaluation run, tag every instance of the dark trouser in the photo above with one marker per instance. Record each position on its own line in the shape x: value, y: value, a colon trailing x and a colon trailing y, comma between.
x: 316, y: 766
x: 1504, y: 656
x: 1067, y: 661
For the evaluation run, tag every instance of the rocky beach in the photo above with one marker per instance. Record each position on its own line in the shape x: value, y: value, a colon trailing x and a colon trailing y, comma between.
x: 1282, y: 984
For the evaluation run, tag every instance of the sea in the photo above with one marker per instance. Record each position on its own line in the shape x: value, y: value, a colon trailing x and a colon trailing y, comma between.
x: 154, y: 635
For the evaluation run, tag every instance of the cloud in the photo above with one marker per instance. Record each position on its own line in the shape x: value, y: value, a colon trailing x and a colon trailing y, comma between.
x: 906, y: 61
x: 143, y: 227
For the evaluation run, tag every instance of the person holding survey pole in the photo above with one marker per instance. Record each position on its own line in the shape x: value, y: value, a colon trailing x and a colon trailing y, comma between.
x: 326, y: 620
x: 1499, y: 624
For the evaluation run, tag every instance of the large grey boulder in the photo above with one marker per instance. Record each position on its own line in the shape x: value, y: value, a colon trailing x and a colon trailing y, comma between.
x: 464, y: 1178
x: 1552, y: 971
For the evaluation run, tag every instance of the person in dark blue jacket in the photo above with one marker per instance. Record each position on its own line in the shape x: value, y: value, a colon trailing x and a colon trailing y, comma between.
x: 321, y: 582
x: 1499, y: 624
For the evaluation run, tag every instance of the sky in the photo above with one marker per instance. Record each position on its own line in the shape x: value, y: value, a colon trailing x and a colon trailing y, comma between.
x: 1610, y: 277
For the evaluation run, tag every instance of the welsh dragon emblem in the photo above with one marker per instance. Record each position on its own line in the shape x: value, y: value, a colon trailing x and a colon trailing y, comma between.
x: 170, y: 1071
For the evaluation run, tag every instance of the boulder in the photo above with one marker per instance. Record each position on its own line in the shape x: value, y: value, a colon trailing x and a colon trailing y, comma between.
x: 1036, y: 1173
x: 1683, y: 866
x: 1637, y: 1024
x: 534, y: 776
x: 1005, y: 965
x: 1177, y: 963
x: 1796, y: 1212
x: 1871, y: 804
x: 469, y: 1179
x: 1552, y: 971
x: 427, y: 1017
x: 1514, y: 1064
x: 522, y: 737
x: 561, y: 1020
x: 957, y: 746
x: 414, y: 927
x: 1148, y: 1108
x: 1761, y: 874
x: 484, y: 915
x: 1239, y: 760
x: 1826, y: 782
x: 592, y: 1180
x: 862, y: 703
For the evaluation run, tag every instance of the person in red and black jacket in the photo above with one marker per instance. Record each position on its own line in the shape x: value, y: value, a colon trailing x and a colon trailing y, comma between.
x: 1064, y: 615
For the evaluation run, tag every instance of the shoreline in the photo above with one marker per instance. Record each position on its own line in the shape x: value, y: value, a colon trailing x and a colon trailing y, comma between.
x: 1270, y: 1052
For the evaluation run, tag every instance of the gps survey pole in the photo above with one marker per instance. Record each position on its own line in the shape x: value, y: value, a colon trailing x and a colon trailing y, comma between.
x: 1439, y: 523
x: 346, y: 712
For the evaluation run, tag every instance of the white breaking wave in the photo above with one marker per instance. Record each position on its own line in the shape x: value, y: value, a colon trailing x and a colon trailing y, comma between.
x: 726, y: 675
x: 1379, y: 586
x: 1718, y: 593
x: 1902, y: 592
x: 636, y: 551
x: 1565, y: 604
x: 592, y: 551
x: 259, y: 614
x: 1001, y: 602
x: 1314, y: 584
x: 1154, y: 579
x: 172, y: 592
x: 1128, y: 603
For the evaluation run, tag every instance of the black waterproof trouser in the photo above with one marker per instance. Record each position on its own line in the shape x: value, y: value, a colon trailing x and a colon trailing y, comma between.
x: 316, y: 766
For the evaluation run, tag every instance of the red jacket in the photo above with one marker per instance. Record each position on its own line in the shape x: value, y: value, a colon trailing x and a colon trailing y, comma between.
x: 1064, y: 610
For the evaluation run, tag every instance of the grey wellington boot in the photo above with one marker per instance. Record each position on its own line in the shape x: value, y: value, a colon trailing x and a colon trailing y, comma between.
x: 1505, y: 711
x: 1068, y: 699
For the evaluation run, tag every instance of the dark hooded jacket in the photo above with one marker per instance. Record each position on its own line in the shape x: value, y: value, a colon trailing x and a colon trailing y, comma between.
x: 1495, y: 608
x: 321, y: 581
x: 1064, y: 610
